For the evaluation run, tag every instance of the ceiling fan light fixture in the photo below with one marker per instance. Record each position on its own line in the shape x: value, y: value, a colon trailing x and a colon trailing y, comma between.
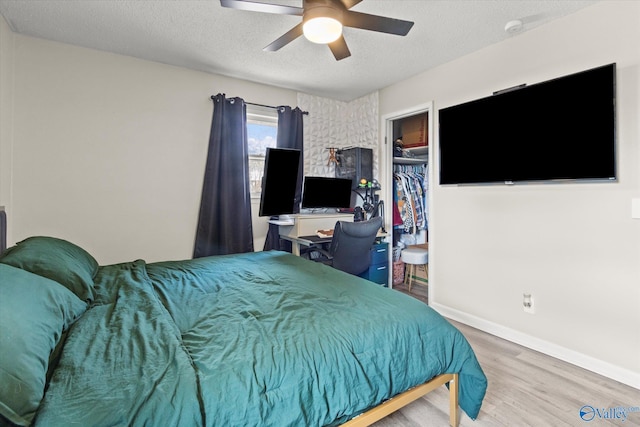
x: 322, y: 30
x: 322, y: 25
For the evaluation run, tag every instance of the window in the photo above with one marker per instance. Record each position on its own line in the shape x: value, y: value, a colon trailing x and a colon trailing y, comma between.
x: 262, y: 131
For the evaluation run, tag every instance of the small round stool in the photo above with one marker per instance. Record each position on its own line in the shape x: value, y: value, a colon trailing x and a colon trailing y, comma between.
x: 413, y: 257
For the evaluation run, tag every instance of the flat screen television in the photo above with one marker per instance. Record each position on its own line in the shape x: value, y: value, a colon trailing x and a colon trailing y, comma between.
x: 322, y: 192
x: 557, y: 130
x: 279, y: 182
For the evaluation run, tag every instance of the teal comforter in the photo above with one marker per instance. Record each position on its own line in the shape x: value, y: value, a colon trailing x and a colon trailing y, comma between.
x: 259, y: 339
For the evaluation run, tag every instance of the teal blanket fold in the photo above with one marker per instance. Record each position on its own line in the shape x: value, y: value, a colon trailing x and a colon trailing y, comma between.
x: 258, y: 339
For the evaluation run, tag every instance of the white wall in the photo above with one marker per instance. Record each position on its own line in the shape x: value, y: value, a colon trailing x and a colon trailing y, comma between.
x: 575, y: 247
x: 108, y: 150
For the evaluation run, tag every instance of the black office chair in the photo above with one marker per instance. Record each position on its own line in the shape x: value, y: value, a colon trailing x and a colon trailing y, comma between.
x: 350, y: 248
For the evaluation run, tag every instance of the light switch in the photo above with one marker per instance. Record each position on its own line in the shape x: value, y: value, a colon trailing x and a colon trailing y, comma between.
x: 635, y: 208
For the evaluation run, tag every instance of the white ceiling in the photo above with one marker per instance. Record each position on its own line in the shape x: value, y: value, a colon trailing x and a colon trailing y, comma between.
x: 202, y: 35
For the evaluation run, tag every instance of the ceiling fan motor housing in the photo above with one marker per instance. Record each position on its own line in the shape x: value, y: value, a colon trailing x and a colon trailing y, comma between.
x: 321, y: 9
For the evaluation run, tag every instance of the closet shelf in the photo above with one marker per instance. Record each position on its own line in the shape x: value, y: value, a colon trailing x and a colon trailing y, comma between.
x: 409, y: 161
x: 421, y: 154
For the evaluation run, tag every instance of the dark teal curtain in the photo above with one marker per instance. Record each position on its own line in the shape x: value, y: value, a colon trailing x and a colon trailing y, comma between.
x: 290, y: 135
x: 224, y: 223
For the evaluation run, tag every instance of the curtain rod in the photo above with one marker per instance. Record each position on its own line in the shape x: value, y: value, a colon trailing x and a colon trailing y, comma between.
x: 261, y: 105
x: 268, y: 106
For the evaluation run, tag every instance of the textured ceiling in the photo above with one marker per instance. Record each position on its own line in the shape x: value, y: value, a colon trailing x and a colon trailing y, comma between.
x: 204, y: 36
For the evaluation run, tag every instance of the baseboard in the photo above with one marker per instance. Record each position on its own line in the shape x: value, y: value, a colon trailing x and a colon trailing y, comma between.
x: 598, y: 366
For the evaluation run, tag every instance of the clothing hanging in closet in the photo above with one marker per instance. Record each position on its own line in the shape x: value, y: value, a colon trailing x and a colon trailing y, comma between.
x: 410, y: 197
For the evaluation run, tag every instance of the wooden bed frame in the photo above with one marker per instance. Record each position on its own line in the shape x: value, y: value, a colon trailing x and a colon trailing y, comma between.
x: 403, y: 399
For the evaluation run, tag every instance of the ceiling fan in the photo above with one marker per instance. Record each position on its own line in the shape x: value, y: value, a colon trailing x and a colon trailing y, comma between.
x: 322, y: 22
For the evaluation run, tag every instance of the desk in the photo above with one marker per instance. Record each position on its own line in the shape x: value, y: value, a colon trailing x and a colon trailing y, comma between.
x: 304, y: 227
x: 313, y: 240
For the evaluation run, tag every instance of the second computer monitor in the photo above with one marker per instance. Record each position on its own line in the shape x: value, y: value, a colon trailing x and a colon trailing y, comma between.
x: 322, y: 192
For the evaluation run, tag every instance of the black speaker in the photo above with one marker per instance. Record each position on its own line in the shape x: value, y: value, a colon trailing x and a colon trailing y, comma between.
x: 355, y: 163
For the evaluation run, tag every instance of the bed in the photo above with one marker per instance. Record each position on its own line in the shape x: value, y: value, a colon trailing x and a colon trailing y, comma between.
x: 256, y: 339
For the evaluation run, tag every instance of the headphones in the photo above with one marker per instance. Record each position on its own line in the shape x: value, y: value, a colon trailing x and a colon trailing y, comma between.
x: 358, y: 214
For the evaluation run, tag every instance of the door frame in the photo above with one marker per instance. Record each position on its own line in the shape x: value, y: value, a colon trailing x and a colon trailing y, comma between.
x: 386, y: 175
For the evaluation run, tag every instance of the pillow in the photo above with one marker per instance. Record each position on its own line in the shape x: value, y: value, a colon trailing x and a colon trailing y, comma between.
x: 33, y: 313
x: 56, y: 259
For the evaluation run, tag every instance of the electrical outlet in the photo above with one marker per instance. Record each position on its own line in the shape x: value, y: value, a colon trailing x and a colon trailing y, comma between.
x: 527, y: 303
x: 635, y: 208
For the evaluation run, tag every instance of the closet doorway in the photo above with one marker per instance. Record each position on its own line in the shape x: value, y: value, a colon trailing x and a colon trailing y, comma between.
x: 406, y: 168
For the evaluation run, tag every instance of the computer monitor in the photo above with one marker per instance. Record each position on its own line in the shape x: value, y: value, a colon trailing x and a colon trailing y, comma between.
x: 323, y: 192
x: 279, y: 182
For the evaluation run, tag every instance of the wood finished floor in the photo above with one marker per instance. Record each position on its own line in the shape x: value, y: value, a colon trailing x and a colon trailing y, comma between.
x: 526, y: 388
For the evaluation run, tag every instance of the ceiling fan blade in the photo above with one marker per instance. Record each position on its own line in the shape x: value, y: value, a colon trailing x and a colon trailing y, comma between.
x: 350, y: 3
x: 254, y: 6
x: 339, y: 48
x: 381, y: 24
x: 285, y: 39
